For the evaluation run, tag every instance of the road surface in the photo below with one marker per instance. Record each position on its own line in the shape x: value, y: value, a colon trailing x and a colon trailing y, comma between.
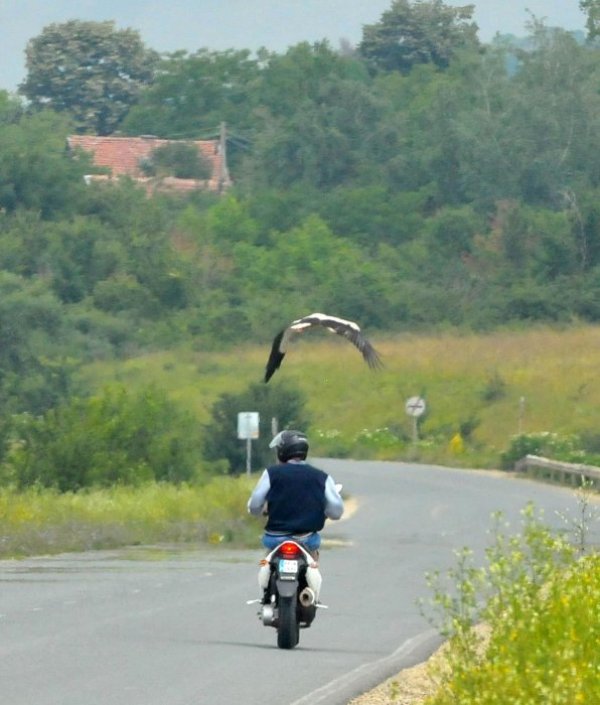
x: 170, y: 626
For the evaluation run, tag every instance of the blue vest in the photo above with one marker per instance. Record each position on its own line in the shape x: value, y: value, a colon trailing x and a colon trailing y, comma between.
x: 296, y: 498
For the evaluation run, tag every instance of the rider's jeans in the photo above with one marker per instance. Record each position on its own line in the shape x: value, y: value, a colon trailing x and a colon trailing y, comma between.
x: 310, y: 541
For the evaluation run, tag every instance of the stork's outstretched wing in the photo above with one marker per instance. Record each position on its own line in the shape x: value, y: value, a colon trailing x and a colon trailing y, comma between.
x: 348, y: 329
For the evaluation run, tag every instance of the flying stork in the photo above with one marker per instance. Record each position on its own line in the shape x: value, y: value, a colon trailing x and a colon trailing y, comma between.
x: 347, y: 329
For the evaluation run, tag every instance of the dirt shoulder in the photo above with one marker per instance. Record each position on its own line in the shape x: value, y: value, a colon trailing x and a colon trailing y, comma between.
x: 413, y: 685
x: 409, y: 687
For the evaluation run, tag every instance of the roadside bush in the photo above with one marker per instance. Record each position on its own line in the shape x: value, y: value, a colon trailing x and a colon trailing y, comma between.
x: 113, y: 438
x: 332, y: 443
x: 545, y: 444
x: 540, y: 604
x: 383, y: 442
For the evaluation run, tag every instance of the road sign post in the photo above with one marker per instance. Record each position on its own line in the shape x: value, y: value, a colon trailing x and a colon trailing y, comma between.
x: 248, y: 422
x: 521, y: 415
x: 415, y: 407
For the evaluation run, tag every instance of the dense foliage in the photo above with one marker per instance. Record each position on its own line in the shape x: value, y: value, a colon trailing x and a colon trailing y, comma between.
x: 575, y: 448
x: 110, y: 439
x: 538, y: 598
x: 278, y: 408
x: 90, y: 70
x: 418, y: 33
x: 455, y: 185
x: 181, y: 160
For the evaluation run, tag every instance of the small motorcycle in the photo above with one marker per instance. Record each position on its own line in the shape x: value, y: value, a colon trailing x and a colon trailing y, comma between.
x: 290, y: 597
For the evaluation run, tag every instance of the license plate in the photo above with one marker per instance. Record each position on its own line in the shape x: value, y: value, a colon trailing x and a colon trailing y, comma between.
x: 286, y: 566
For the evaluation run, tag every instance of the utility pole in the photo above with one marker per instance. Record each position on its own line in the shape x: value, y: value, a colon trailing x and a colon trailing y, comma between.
x: 223, y: 171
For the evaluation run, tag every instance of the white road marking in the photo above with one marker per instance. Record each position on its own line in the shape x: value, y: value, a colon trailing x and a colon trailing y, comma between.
x: 326, y: 693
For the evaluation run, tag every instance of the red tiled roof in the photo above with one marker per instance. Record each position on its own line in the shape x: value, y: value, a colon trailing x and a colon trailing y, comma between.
x: 123, y: 156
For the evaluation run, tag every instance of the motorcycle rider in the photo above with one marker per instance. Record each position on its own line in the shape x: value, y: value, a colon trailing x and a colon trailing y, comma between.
x: 297, y: 498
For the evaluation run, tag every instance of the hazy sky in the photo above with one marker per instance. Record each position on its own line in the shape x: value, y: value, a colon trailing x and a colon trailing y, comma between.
x: 245, y: 24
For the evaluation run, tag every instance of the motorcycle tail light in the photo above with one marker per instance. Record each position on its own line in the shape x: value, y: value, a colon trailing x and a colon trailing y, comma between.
x: 289, y: 549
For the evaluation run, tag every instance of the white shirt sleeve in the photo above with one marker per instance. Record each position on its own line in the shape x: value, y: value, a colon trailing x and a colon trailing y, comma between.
x: 334, y: 504
x: 259, y: 495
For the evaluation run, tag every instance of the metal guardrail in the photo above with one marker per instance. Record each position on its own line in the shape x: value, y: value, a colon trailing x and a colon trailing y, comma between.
x: 570, y: 473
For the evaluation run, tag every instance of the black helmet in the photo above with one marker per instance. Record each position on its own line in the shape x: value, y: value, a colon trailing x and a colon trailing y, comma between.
x: 290, y: 444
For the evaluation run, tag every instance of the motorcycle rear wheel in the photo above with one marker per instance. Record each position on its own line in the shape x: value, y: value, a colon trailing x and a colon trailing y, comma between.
x: 288, y: 631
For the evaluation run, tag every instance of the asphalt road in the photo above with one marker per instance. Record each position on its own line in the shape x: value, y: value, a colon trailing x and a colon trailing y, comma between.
x: 166, y: 626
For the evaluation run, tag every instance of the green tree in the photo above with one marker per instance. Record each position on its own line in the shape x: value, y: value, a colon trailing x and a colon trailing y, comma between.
x: 89, y: 70
x: 230, y: 220
x: 310, y: 269
x: 114, y: 437
x: 554, y: 116
x: 36, y: 172
x: 449, y: 233
x: 181, y: 160
x: 425, y: 31
x: 34, y: 370
x: 281, y: 209
x: 193, y: 93
x: 423, y: 117
x: 591, y: 8
x: 533, y: 135
x: 289, y: 79
x: 22, y: 240
x: 372, y: 214
x: 480, y: 126
x: 220, y: 434
x: 11, y: 108
x: 138, y: 246
x: 317, y: 124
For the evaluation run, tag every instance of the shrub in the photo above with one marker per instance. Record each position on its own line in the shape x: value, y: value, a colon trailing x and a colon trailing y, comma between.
x: 381, y: 443
x: 220, y: 435
x: 540, y: 606
x: 552, y: 445
x: 122, y: 292
x: 116, y: 437
x: 467, y: 427
x: 332, y: 443
x: 495, y: 389
x: 181, y: 160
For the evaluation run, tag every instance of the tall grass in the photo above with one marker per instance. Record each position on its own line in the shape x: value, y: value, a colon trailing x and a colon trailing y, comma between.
x: 473, y: 385
x: 39, y: 521
x: 485, y: 387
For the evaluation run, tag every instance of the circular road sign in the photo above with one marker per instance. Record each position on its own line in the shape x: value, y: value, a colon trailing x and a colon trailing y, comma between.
x: 415, y: 406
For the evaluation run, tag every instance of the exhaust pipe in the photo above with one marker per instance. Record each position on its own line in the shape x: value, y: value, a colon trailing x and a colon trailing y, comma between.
x: 267, y: 615
x: 307, y: 597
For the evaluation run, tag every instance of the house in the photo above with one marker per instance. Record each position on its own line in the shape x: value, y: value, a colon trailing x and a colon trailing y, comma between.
x: 126, y: 156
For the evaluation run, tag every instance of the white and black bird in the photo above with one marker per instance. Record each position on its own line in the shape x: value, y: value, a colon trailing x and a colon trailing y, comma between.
x: 347, y: 329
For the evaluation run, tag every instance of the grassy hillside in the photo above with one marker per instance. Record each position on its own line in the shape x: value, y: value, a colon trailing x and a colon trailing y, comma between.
x: 488, y: 387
